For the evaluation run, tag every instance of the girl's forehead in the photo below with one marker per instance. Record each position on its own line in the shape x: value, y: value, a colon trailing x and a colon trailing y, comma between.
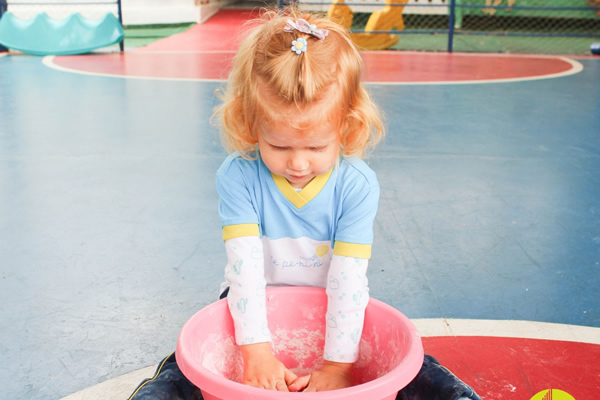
x: 285, y: 131
x: 307, y: 117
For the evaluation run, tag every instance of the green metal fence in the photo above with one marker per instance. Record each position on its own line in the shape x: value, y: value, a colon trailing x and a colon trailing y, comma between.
x: 509, y: 26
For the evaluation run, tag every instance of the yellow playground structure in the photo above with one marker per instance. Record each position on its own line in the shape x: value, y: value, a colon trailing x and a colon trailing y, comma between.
x: 390, y: 17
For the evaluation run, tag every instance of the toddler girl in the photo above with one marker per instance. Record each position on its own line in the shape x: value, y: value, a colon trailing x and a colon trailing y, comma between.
x: 297, y: 203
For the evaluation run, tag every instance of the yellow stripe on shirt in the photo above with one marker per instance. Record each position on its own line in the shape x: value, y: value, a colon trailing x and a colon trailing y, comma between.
x: 303, y: 197
x: 352, y: 250
x: 240, y: 230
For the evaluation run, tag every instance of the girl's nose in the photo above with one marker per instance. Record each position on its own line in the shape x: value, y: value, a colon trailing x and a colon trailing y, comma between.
x: 297, y: 163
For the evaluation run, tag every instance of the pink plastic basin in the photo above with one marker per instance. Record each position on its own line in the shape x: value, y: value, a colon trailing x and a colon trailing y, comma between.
x: 391, y: 352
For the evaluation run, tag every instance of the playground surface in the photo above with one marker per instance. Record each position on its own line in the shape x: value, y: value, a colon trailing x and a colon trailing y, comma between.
x: 487, y: 237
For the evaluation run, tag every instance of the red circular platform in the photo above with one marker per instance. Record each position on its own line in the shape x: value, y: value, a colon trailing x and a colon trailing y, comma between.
x: 382, y: 67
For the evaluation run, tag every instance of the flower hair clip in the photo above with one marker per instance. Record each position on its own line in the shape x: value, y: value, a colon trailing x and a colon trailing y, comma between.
x: 303, y: 26
x: 299, y: 45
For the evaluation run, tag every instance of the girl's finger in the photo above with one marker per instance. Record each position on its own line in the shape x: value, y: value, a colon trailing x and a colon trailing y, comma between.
x: 289, y: 376
x: 281, y: 386
x: 300, y: 384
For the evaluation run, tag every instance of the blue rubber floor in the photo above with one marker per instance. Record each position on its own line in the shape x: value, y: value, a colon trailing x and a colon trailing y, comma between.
x: 110, y: 239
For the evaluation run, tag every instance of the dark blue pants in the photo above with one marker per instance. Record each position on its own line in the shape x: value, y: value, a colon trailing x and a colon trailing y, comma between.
x: 168, y: 383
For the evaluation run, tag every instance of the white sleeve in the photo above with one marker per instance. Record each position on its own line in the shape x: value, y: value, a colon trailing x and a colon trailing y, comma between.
x: 348, y: 296
x: 246, y: 297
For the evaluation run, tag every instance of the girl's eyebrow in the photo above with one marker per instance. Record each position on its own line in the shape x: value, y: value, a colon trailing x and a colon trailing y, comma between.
x: 278, y: 146
x: 310, y: 146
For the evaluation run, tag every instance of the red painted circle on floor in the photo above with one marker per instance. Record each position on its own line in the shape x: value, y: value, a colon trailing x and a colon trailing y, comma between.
x: 516, y: 368
x: 411, y: 67
x: 383, y: 67
x: 189, y: 66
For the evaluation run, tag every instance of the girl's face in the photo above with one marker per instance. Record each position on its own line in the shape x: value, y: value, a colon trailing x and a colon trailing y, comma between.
x: 299, y: 155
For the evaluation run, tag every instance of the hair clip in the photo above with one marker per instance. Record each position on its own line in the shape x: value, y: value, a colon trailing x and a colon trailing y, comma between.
x: 303, y: 26
x: 299, y: 45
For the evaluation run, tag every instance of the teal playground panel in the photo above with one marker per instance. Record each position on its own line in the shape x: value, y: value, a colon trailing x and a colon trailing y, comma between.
x: 43, y: 35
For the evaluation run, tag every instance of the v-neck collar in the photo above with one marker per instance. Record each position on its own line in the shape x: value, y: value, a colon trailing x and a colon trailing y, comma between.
x: 304, y: 196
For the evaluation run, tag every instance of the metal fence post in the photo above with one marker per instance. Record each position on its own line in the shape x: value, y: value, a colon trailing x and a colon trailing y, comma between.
x: 2, y: 6
x: 451, y: 25
x: 120, y: 12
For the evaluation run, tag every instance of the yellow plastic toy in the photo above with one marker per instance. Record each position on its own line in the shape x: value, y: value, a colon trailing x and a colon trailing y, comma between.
x: 381, y: 20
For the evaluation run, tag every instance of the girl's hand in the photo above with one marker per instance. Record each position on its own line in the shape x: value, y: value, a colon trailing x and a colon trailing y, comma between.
x: 333, y: 375
x: 263, y: 370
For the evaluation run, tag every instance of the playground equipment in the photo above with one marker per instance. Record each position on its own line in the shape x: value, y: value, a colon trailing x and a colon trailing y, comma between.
x: 43, y: 35
x: 390, y: 17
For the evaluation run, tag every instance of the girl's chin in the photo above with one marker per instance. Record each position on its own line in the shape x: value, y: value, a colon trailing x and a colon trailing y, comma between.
x: 298, y: 182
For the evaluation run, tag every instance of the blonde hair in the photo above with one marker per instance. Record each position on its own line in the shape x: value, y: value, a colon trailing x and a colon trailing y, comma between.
x: 270, y: 82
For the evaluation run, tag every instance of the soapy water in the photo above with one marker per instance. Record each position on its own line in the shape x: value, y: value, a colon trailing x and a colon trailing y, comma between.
x: 220, y: 355
x: 301, y: 350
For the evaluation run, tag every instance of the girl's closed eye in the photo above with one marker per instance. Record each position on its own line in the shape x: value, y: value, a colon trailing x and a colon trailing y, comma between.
x: 319, y: 148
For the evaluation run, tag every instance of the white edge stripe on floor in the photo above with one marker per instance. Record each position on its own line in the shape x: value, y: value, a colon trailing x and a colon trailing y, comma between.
x: 576, y: 67
x: 507, y: 328
x: 48, y: 61
x: 118, y: 388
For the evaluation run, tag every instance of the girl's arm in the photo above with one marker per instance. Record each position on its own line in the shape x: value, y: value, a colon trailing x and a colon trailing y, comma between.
x: 348, y: 296
x: 246, y: 300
